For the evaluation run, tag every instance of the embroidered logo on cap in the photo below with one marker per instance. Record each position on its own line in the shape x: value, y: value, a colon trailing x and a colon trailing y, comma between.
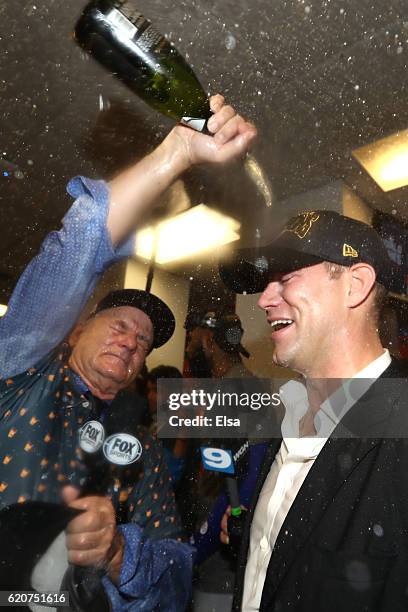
x: 122, y: 449
x: 301, y: 225
x: 348, y: 251
x: 91, y: 436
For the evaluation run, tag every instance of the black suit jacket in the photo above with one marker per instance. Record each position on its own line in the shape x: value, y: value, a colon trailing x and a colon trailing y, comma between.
x: 344, y: 544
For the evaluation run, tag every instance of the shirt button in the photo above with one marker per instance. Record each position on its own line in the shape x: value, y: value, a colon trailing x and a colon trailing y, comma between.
x: 264, y: 544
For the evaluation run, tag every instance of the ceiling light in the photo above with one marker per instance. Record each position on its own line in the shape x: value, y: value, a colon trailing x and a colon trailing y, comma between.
x: 198, y: 229
x: 386, y: 160
x: 3, y: 309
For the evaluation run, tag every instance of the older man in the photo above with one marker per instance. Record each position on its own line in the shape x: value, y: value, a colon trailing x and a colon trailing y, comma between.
x: 50, y: 390
x: 327, y: 528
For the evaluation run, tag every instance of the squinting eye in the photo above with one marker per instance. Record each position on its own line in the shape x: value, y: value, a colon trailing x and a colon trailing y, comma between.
x: 144, y: 344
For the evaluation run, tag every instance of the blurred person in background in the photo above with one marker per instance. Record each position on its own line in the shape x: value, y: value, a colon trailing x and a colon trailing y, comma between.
x: 214, y: 347
x: 174, y: 448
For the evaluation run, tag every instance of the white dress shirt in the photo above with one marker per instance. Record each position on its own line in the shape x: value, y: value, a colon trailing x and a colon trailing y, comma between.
x: 291, y: 466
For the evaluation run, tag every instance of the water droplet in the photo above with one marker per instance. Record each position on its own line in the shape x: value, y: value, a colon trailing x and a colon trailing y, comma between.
x: 378, y: 530
x: 230, y: 42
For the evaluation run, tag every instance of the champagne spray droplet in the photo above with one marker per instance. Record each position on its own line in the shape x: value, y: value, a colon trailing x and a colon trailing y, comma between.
x: 259, y: 178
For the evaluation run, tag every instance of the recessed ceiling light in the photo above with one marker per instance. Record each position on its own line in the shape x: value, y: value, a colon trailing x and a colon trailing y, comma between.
x: 196, y: 230
x: 386, y: 160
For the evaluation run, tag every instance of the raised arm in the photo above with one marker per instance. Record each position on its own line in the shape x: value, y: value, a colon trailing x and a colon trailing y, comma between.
x: 55, y: 286
x: 134, y: 190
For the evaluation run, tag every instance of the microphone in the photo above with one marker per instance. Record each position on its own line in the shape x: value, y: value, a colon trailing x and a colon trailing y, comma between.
x: 231, y: 458
x: 109, y: 459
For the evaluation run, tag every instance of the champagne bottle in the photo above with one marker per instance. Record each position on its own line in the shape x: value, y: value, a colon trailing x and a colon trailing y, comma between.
x: 126, y: 43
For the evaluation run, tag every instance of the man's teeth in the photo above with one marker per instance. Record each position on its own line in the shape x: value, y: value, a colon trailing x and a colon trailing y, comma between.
x: 280, y: 323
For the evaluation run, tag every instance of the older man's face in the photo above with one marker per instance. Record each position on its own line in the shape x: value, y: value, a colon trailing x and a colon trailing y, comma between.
x: 110, y: 349
x: 307, y: 315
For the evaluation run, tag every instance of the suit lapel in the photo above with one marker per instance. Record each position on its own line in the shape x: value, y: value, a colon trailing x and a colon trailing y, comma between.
x: 326, y: 476
x: 357, y: 435
x: 242, y: 558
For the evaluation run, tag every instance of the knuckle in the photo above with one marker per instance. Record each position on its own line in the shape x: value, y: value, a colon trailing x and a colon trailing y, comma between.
x: 75, y: 557
x: 83, y: 541
x: 228, y: 110
x: 105, y: 550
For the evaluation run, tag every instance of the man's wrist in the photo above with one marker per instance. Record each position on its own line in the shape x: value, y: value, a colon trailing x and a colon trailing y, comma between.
x: 175, y: 153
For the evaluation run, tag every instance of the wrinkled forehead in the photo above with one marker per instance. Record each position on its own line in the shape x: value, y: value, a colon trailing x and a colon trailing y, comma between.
x: 134, y: 317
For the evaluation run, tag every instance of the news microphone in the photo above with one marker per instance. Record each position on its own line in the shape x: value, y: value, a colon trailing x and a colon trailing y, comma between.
x: 231, y: 458
x: 109, y: 458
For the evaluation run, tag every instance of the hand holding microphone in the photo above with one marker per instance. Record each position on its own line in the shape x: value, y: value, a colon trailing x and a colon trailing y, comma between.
x: 231, y: 457
x: 91, y: 537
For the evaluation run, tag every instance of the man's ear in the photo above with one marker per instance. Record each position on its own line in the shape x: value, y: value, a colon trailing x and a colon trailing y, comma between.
x: 361, y: 282
x: 75, y: 334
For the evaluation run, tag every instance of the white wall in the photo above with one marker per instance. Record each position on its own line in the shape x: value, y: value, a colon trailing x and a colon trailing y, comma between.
x: 355, y: 207
x: 173, y: 290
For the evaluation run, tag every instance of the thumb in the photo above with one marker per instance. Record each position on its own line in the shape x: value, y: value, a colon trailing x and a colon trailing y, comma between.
x: 69, y: 494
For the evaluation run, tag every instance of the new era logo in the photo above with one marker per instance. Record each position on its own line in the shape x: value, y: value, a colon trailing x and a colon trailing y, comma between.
x: 348, y: 251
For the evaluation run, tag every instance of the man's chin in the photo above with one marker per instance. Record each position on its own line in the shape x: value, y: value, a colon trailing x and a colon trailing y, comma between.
x: 282, y: 360
x: 114, y: 378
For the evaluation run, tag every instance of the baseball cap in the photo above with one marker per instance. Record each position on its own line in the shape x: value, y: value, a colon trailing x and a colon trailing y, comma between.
x: 228, y: 330
x: 305, y: 240
x: 158, y: 312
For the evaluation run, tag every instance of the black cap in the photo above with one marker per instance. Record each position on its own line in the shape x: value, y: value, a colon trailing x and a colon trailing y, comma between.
x: 308, y: 239
x: 158, y: 312
x: 228, y: 330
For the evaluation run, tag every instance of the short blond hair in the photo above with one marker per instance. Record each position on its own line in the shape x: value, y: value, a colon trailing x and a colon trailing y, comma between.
x: 379, y: 291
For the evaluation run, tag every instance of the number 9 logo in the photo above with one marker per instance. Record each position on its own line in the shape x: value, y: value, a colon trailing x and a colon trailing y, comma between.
x: 217, y: 459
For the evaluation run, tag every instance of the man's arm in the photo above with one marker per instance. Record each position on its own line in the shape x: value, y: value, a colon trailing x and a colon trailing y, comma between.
x: 55, y: 286
x: 134, y: 190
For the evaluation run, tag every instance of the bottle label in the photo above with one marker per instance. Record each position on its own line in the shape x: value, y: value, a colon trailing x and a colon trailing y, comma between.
x: 149, y: 39
x: 133, y: 25
x: 133, y: 16
x: 194, y: 122
x: 117, y: 20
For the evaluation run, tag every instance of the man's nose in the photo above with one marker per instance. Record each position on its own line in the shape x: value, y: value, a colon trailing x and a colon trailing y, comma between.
x: 270, y: 296
x: 129, y: 341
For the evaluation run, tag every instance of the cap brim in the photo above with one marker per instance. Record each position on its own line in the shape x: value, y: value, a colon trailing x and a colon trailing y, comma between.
x: 158, y: 312
x: 250, y: 270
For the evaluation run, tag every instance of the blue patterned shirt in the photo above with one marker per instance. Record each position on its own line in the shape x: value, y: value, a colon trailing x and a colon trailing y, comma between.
x: 46, y: 303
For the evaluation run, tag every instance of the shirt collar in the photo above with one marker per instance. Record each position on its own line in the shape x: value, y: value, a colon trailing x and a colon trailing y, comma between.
x: 294, y: 397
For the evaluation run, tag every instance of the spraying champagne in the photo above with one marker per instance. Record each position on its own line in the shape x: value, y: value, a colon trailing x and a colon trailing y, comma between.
x: 126, y: 43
